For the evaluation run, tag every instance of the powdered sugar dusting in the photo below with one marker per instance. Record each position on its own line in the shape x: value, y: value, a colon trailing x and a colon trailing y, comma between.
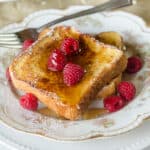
x: 12, y: 114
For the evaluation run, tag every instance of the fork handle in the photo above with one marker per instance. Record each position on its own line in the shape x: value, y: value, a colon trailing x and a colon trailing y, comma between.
x: 111, y: 4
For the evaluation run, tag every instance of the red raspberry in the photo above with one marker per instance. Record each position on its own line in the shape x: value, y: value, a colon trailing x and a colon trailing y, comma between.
x: 113, y: 103
x: 70, y: 46
x: 27, y: 43
x: 57, y: 61
x: 134, y: 64
x: 126, y: 90
x: 8, y: 74
x: 29, y: 101
x: 72, y: 74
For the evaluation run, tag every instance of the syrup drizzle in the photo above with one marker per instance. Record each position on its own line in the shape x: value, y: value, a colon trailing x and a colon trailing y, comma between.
x: 89, y: 114
x: 94, y: 113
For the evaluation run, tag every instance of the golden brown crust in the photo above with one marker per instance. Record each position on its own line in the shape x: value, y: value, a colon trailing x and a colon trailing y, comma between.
x: 107, y: 38
x: 104, y: 78
x: 111, y: 38
x: 43, y: 33
x: 70, y: 112
x: 92, y: 82
x: 110, y: 88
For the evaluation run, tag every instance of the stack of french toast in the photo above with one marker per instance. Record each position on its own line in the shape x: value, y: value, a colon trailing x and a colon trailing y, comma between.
x: 101, y: 56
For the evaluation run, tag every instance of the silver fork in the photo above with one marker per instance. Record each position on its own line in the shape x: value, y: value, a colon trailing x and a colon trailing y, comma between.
x: 14, y: 40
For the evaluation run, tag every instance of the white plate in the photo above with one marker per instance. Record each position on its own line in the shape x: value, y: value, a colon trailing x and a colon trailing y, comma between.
x: 134, y: 32
x: 137, y: 139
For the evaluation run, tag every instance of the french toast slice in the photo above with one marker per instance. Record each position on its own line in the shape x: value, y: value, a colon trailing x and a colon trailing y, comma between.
x: 110, y: 38
x: 29, y: 72
x: 110, y: 88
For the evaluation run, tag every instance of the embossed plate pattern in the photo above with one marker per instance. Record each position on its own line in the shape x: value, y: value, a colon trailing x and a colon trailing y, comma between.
x: 134, y: 32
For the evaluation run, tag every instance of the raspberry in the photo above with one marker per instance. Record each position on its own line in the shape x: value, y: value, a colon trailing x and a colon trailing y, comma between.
x: 134, y: 64
x: 126, y: 90
x: 70, y: 46
x: 57, y: 61
x: 8, y: 74
x: 113, y: 103
x: 72, y: 74
x: 27, y: 43
x: 29, y: 101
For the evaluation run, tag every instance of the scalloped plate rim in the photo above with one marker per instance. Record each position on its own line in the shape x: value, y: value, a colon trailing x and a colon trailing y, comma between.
x: 86, y: 137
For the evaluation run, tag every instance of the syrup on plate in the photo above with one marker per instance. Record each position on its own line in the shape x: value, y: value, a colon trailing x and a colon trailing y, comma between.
x: 89, y: 114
